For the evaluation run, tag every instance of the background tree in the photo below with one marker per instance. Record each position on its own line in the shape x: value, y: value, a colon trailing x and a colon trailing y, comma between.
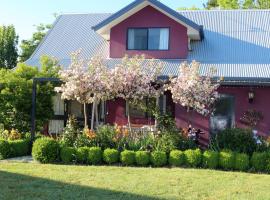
x: 29, y: 46
x: 211, y: 4
x: 193, y: 91
x: 8, y: 47
x: 16, y: 91
x: 237, y: 4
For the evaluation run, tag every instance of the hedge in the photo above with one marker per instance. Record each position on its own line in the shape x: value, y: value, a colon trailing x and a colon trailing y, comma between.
x: 158, y: 158
x: 46, y: 150
x: 5, y: 149
x: 177, y: 158
x: 20, y: 148
x: 68, y: 155
x: 226, y: 159
x: 210, y: 159
x: 94, y: 155
x: 193, y: 158
x: 128, y: 157
x: 110, y: 156
x: 142, y: 158
x: 241, y: 161
x: 82, y: 155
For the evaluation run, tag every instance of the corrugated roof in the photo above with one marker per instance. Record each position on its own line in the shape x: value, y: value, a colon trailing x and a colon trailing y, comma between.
x: 237, y: 42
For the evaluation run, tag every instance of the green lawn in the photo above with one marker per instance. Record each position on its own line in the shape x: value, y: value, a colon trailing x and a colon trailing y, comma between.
x: 36, y: 181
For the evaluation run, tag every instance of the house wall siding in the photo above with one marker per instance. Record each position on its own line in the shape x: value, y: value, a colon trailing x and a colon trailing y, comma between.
x: 150, y: 17
x: 261, y: 103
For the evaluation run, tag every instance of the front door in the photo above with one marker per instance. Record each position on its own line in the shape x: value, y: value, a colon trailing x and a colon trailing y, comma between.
x: 223, y: 116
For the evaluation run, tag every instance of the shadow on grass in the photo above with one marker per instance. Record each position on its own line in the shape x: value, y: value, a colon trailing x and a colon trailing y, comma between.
x: 16, y: 186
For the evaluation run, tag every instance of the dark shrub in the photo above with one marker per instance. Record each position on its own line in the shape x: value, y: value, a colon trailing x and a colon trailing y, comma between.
x: 193, y: 158
x: 5, y: 149
x: 128, y: 157
x: 210, y: 159
x: 259, y: 161
x: 167, y: 142
x: 241, y: 161
x: 237, y: 140
x: 226, y: 159
x: 158, y: 158
x: 110, y: 156
x: 142, y: 158
x: 68, y: 155
x: 176, y: 158
x: 20, y: 148
x: 82, y: 155
x: 46, y: 150
x: 95, y: 155
x: 105, y: 137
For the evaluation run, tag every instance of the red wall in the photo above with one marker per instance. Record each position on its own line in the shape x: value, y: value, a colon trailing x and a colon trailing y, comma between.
x: 149, y: 17
x: 261, y: 103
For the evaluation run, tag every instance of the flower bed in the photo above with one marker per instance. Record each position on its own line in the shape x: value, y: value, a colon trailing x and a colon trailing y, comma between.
x: 47, y: 150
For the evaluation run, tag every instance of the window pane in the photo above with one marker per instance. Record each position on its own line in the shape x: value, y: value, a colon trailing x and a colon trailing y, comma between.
x: 137, y: 39
x: 158, y: 39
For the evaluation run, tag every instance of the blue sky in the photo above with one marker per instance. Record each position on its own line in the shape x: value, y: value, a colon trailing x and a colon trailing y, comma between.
x: 24, y: 14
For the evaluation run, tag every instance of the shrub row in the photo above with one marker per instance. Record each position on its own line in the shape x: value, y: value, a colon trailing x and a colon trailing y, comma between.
x: 48, y: 150
x: 15, y: 148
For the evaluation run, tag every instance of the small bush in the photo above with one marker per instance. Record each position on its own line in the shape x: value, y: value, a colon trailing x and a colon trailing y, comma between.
x: 226, y: 159
x: 68, y: 155
x: 158, y: 158
x: 110, y: 156
x: 20, y: 148
x: 259, y: 161
x: 142, y: 158
x: 46, y: 150
x: 241, y: 161
x: 5, y: 149
x: 128, y: 157
x: 82, y: 155
x: 237, y: 140
x: 95, y: 155
x: 210, y: 159
x: 176, y: 158
x: 193, y: 158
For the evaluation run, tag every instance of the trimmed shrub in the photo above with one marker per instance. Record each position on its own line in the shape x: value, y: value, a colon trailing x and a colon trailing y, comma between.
x: 158, y: 158
x: 177, y: 158
x: 210, y: 159
x: 128, y: 157
x: 68, y: 155
x: 259, y: 161
x: 241, y: 161
x: 46, y: 150
x: 142, y: 158
x: 82, y: 155
x: 110, y: 156
x: 20, y: 148
x: 95, y: 156
x: 5, y: 149
x: 226, y: 159
x: 193, y: 158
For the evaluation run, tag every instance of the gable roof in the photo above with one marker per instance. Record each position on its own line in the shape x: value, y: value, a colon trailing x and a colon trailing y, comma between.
x: 236, y: 43
x: 195, y: 31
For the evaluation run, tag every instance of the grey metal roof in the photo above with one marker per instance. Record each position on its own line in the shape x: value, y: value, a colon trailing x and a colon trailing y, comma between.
x: 154, y: 2
x: 237, y: 42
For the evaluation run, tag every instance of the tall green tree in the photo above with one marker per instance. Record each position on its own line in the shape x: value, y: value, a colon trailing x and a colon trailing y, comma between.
x: 229, y: 4
x: 211, y: 4
x: 29, y: 46
x: 8, y: 47
x: 16, y: 91
x: 237, y: 4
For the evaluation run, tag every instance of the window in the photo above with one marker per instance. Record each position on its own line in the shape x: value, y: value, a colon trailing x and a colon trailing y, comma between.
x: 148, y: 39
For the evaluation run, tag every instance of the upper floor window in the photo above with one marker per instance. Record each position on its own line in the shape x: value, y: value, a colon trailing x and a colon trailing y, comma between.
x: 148, y: 39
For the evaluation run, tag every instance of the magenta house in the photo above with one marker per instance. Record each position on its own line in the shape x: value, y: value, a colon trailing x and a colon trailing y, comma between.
x: 235, y: 42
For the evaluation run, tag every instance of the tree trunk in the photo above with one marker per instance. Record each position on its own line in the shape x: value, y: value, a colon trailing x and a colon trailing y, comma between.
x: 157, y: 109
x: 128, y: 116
x: 96, y: 113
x: 85, y: 116
x: 93, y: 115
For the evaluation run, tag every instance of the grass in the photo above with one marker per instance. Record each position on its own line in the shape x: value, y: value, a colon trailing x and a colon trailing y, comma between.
x: 36, y: 181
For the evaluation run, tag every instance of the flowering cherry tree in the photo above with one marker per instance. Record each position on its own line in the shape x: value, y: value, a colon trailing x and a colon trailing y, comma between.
x: 133, y: 80
x: 193, y: 91
x: 85, y: 81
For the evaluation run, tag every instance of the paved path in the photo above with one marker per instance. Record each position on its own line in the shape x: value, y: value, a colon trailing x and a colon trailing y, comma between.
x: 24, y: 159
